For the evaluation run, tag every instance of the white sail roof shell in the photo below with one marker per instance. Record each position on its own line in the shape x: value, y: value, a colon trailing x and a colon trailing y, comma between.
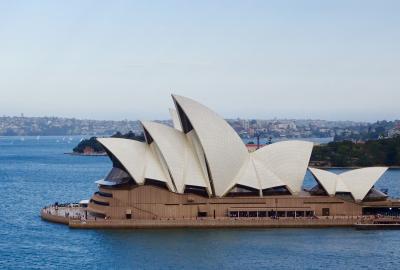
x: 327, y: 180
x: 248, y: 176
x: 255, y: 174
x: 175, y: 119
x: 266, y: 177
x: 156, y: 167
x: 137, y: 157
x: 288, y: 160
x: 177, y: 154
x: 130, y: 153
x: 341, y: 186
x: 224, y: 150
x: 199, y: 161
x: 358, y: 182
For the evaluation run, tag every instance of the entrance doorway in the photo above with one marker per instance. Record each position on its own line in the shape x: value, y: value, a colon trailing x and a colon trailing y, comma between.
x: 325, y: 212
x: 201, y: 214
x: 128, y: 214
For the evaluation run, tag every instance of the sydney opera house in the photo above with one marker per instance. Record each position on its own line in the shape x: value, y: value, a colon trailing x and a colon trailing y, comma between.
x: 200, y: 169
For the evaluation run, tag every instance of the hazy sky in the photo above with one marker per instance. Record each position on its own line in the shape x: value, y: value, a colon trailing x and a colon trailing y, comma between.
x: 255, y: 59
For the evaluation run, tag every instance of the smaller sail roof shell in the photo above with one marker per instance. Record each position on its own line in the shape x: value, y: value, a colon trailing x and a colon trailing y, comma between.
x: 130, y: 154
x: 175, y: 119
x: 288, y: 160
x: 247, y: 176
x: 198, y: 161
x: 137, y: 158
x: 358, y: 182
x: 255, y: 174
x: 177, y: 154
x: 341, y: 186
x: 266, y: 177
x: 156, y: 168
x: 326, y: 179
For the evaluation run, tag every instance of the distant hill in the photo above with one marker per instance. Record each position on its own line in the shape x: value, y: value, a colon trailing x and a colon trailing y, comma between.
x: 58, y: 126
x: 382, y: 152
x: 373, y: 131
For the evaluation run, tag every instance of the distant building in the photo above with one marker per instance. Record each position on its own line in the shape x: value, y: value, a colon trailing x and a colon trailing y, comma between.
x: 394, y: 132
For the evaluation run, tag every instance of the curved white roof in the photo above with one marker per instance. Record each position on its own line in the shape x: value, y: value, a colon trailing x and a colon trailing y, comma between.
x: 255, y: 174
x: 137, y: 157
x: 156, y: 167
x: 357, y: 182
x: 266, y: 177
x: 360, y: 181
x: 130, y: 153
x: 288, y: 160
x: 247, y: 176
x: 341, y: 186
x: 326, y: 179
x: 224, y: 150
x: 203, y: 150
x: 171, y: 144
x: 178, y: 155
x: 199, y: 159
x: 175, y: 119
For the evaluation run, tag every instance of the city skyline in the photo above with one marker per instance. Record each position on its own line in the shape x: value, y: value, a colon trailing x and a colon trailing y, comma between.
x: 295, y: 59
x: 246, y: 128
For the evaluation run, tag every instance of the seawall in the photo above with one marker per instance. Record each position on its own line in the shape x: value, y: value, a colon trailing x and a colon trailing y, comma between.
x: 53, y: 218
x: 217, y: 223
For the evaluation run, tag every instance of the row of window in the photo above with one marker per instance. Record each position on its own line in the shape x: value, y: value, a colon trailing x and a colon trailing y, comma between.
x: 384, y: 211
x: 271, y: 213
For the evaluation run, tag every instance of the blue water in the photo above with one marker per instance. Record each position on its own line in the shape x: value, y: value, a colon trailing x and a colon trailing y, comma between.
x: 35, y: 172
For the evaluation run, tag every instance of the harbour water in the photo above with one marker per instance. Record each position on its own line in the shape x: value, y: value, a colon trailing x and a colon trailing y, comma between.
x: 34, y: 172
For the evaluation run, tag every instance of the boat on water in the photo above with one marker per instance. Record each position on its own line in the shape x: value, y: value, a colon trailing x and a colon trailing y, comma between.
x: 379, y: 223
x: 199, y: 173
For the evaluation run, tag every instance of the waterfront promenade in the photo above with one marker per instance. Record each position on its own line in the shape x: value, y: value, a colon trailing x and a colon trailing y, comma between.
x: 76, y: 217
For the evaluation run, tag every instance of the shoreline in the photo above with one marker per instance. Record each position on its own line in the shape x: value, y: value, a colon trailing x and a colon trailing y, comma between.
x: 353, y: 167
x: 76, y: 221
x: 201, y: 223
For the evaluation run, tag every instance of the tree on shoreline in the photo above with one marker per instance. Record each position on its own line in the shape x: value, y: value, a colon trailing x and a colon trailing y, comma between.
x: 384, y: 152
x: 96, y: 147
